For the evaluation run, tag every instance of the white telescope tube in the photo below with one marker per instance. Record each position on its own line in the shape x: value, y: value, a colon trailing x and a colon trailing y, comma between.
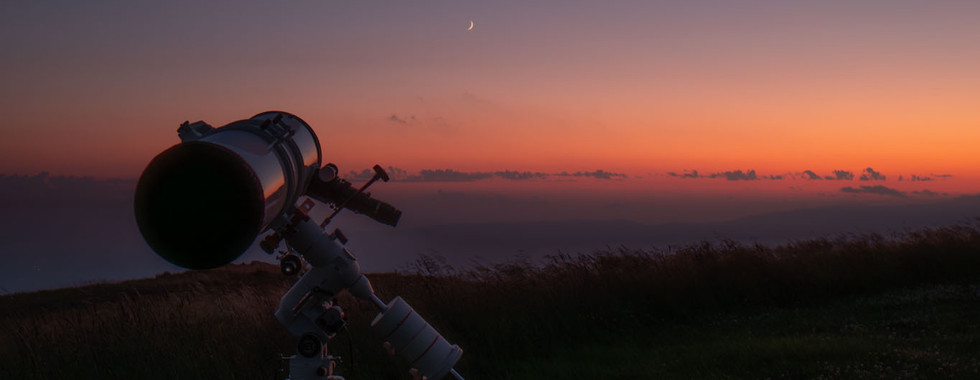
x: 202, y: 202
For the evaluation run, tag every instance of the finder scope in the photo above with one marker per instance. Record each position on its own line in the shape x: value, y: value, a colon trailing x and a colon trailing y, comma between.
x: 201, y: 203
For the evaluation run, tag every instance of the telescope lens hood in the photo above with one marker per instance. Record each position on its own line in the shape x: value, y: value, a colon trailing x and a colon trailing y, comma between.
x: 199, y: 205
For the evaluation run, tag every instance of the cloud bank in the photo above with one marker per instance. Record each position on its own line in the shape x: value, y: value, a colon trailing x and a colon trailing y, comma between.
x: 686, y: 174
x: 840, y: 175
x: 736, y: 175
x: 731, y: 175
x: 809, y: 174
x: 395, y: 119
x: 876, y: 189
x: 928, y: 193
x: 599, y: 174
x: 870, y: 174
x: 452, y: 175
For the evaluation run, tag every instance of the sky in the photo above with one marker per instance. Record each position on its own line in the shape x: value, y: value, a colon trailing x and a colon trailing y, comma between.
x: 97, y: 88
x: 645, y: 111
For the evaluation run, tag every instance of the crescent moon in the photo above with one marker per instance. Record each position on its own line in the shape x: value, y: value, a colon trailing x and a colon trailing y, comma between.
x: 471, y: 25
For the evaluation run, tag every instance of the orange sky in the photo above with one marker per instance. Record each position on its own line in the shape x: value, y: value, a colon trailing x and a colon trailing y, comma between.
x: 627, y: 87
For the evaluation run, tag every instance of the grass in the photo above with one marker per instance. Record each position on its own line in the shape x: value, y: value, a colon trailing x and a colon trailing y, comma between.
x: 925, y: 332
x: 853, y: 307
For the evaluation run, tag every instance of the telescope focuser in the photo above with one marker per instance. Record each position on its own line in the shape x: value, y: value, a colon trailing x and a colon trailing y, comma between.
x: 341, y: 194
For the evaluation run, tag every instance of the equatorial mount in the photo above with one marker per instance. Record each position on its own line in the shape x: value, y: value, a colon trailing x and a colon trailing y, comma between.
x: 308, y: 310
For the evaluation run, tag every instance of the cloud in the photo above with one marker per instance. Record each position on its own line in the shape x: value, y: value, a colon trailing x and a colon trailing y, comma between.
x: 451, y: 175
x: 876, y: 189
x: 686, y: 174
x: 363, y: 175
x: 437, y: 124
x: 809, y: 174
x: 447, y: 175
x: 517, y: 176
x: 924, y: 178
x: 737, y: 175
x: 870, y: 174
x: 928, y: 193
x: 840, y: 175
x: 598, y: 174
x: 395, y: 119
x: 394, y: 173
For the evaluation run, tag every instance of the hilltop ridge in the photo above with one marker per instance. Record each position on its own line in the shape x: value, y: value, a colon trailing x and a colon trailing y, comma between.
x: 858, y: 307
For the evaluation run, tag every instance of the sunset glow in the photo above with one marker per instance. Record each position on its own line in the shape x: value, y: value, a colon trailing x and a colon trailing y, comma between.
x: 628, y: 87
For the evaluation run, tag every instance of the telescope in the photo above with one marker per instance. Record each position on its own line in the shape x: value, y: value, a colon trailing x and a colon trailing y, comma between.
x: 203, y: 202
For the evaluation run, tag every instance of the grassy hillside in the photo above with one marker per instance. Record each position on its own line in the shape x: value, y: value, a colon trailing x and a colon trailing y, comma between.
x: 857, y: 307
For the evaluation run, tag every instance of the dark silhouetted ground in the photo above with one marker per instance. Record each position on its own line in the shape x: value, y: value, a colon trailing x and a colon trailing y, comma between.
x: 858, y: 307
